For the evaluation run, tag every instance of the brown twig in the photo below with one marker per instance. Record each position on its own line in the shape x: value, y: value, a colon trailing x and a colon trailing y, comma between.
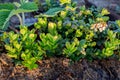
x: 88, y: 73
x: 5, y: 63
x: 12, y: 28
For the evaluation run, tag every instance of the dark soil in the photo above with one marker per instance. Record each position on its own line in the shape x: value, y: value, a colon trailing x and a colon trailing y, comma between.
x: 61, y: 69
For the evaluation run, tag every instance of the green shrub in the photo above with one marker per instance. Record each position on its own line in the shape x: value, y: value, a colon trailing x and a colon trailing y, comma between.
x: 23, y: 47
x: 86, y: 27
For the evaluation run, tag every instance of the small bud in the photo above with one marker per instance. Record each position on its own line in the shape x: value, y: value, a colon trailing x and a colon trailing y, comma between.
x: 105, y: 12
x: 55, y: 37
x: 78, y: 33
x: 65, y: 2
x: 81, y: 27
x: 51, y: 25
x: 59, y: 24
x: 23, y: 30
x: 76, y: 41
x: 37, y: 26
x: 87, y: 12
x: 52, y: 28
x: 118, y: 23
x: 31, y: 36
x: 16, y: 45
x: 83, y: 51
x: 4, y: 36
x: 99, y: 19
x: 93, y: 44
x: 42, y: 22
x: 63, y: 14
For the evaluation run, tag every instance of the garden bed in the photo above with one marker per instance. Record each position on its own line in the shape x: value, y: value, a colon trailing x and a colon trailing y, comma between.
x: 65, y: 45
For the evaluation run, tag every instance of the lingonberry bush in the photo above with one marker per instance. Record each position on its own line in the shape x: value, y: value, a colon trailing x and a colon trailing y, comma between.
x: 65, y: 30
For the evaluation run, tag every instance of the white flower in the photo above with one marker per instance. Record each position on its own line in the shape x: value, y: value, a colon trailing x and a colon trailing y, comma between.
x: 99, y: 26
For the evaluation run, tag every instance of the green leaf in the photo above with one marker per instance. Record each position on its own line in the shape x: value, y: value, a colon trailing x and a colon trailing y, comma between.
x: 34, y: 66
x: 118, y: 22
x: 29, y: 6
x: 23, y: 56
x: 23, y: 1
x: 51, y: 12
x: 72, y: 46
x: 5, y: 14
x: 12, y: 55
x: 67, y: 45
x: 105, y: 12
x: 25, y: 8
x: 118, y: 31
x: 105, y: 18
x: 8, y: 6
x: 4, y: 17
x: 82, y: 42
x: 65, y: 2
x: 74, y: 49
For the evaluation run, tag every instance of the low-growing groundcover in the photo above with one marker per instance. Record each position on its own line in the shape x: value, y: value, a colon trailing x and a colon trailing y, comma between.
x: 65, y: 30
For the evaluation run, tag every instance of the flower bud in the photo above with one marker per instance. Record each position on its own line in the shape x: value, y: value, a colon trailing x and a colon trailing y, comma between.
x: 65, y: 2
x: 78, y: 33
x: 42, y: 22
x: 4, y: 36
x: 55, y: 37
x: 17, y: 45
x: 63, y: 14
x: 76, y: 41
x: 87, y: 12
x: 118, y: 23
x: 51, y: 25
x: 23, y: 30
x: 31, y: 36
x: 59, y: 24
x: 81, y: 27
x: 105, y: 12
x: 99, y: 19
x: 93, y: 44
x: 52, y: 28
x: 37, y: 26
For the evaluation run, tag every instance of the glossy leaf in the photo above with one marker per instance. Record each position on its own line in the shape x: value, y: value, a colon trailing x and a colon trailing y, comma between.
x: 52, y: 12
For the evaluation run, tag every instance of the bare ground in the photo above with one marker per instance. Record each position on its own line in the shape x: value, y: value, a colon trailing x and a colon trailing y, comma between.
x: 61, y: 69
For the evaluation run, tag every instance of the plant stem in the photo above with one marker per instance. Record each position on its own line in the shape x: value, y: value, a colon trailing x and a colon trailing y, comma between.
x: 20, y: 19
x: 23, y: 18
x: 12, y: 28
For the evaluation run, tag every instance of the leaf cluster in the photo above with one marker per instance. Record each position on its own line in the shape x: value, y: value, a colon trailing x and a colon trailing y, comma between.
x: 7, y: 10
x: 23, y: 47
